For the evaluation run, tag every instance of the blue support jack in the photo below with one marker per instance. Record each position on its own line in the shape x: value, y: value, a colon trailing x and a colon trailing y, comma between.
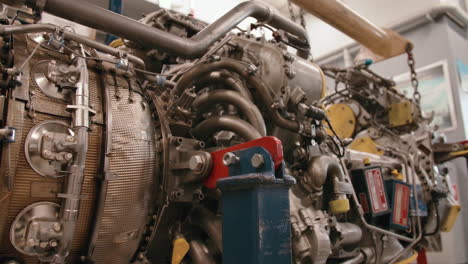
x: 255, y: 207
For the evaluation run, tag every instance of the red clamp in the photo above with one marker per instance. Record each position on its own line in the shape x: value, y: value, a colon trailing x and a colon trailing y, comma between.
x: 271, y: 144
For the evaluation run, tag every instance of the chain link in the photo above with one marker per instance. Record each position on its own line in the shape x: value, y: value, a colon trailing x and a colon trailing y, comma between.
x: 293, y: 15
x: 413, y: 74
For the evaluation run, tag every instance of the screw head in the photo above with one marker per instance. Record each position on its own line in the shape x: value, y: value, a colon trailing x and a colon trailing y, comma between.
x: 68, y: 156
x: 230, y: 159
x: 57, y: 227
x: 257, y: 160
x: 31, y: 242
x: 70, y: 138
x: 196, y: 163
x: 49, y: 136
x: 47, y: 153
x: 53, y: 243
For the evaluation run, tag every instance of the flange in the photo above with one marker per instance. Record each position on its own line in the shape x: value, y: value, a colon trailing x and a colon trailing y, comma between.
x: 43, y: 74
x: 36, y: 230
x: 34, y: 151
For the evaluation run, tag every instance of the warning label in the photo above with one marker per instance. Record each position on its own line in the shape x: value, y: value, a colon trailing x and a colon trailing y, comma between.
x: 401, y: 206
x: 377, y: 195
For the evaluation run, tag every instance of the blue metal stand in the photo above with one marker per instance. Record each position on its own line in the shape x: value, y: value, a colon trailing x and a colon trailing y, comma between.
x: 115, y: 6
x: 256, y: 220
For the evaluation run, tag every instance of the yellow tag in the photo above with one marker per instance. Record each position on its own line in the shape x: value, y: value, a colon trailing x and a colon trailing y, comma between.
x: 181, y: 247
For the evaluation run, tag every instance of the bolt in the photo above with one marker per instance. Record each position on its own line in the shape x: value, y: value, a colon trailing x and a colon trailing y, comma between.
x: 70, y: 138
x: 49, y: 136
x: 72, y: 79
x: 68, y: 156
x: 57, y: 227
x: 196, y: 163
x: 257, y: 161
x: 53, y: 243
x: 43, y: 244
x: 31, y: 242
x: 230, y: 159
x: 47, y: 153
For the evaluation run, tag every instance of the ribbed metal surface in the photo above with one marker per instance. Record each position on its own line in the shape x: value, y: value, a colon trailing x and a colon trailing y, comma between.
x: 26, y: 177
x: 133, y: 161
x: 27, y: 183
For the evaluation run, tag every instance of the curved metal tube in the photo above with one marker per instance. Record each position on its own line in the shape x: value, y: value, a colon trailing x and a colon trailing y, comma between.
x: 251, y: 112
x: 383, y: 42
x: 99, y: 18
x: 219, y: 123
x: 225, y: 78
x: 356, y: 260
x: 210, y: 223
x: 32, y: 28
x: 320, y: 168
x: 200, y: 253
x: 264, y: 92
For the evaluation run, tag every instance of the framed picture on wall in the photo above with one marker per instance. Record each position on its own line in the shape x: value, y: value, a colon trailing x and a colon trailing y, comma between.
x: 436, y: 94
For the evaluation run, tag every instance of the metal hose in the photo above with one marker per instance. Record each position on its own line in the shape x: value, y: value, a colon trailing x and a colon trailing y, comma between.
x: 320, y: 168
x: 263, y: 91
x: 226, y: 78
x: 228, y: 123
x: 99, y: 18
x: 250, y: 111
x: 355, y: 260
x: 210, y: 223
x: 199, y: 253
x: 32, y: 28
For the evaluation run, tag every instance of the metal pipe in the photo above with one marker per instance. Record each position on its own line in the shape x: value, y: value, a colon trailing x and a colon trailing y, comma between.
x: 71, y: 196
x: 320, y: 168
x: 210, y: 223
x: 383, y: 42
x: 199, y: 253
x: 99, y: 18
x: 206, y: 100
x: 32, y: 28
x: 227, y: 79
x: 229, y: 123
x: 355, y: 260
x: 264, y: 92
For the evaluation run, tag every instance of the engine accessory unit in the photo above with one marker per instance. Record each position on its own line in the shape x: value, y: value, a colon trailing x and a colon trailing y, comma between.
x: 369, y: 186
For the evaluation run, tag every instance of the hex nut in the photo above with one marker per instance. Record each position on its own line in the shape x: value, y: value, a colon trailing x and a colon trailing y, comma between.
x: 230, y: 159
x: 57, y: 227
x: 257, y: 160
x: 196, y: 163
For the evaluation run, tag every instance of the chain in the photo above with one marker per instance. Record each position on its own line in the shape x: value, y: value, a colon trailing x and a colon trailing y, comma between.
x: 293, y: 16
x: 301, y: 16
x: 291, y: 11
x: 413, y: 74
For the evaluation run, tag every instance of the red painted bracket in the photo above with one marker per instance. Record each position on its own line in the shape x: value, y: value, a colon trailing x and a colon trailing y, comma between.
x: 271, y: 144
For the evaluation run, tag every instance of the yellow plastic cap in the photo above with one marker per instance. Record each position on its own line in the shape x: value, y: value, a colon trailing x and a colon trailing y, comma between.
x: 366, y: 161
x: 339, y: 206
x: 449, y: 221
x: 117, y: 43
x: 181, y: 247
x: 397, y: 175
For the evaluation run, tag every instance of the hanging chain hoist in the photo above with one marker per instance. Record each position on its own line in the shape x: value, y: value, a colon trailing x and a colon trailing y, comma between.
x: 413, y: 74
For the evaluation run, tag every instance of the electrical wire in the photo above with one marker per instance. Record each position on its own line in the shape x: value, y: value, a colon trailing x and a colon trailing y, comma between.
x: 341, y: 151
